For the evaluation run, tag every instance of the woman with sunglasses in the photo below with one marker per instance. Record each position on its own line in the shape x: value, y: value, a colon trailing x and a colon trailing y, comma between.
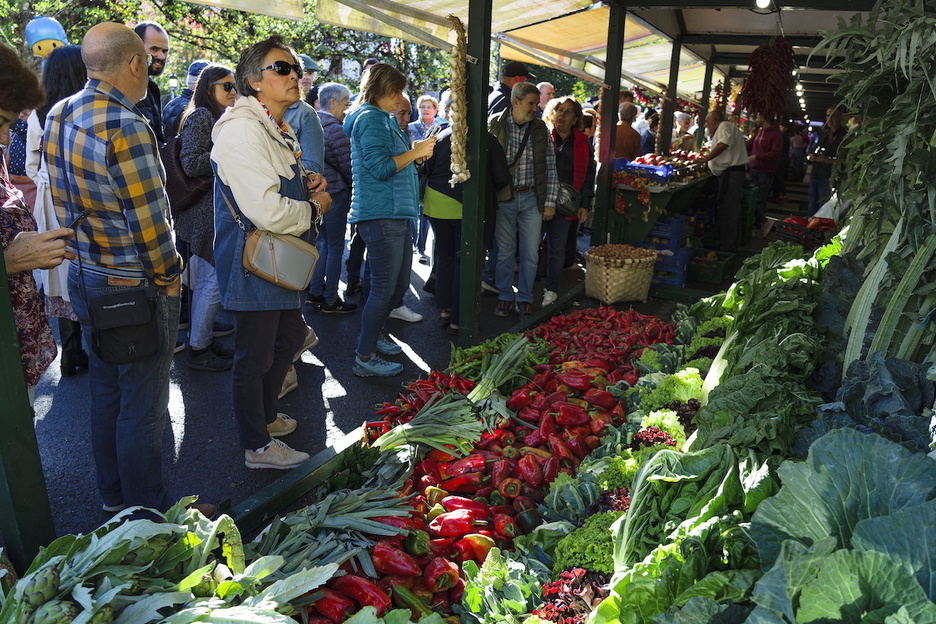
x: 384, y: 199
x: 214, y: 92
x: 259, y: 177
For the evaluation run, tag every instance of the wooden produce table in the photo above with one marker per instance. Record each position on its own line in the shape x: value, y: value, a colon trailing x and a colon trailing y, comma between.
x: 673, y: 198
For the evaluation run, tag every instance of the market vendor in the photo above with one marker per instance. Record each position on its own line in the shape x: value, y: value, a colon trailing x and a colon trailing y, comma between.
x: 728, y: 161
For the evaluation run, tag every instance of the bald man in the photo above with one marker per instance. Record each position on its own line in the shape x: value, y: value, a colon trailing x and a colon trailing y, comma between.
x: 103, y: 163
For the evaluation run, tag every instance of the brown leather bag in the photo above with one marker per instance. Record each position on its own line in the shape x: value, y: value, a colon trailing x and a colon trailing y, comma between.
x: 183, y: 190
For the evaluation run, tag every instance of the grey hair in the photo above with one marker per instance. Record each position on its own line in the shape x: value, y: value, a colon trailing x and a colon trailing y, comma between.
x: 627, y: 111
x: 522, y: 89
x: 681, y: 117
x: 717, y: 114
x: 251, y: 62
x: 331, y: 92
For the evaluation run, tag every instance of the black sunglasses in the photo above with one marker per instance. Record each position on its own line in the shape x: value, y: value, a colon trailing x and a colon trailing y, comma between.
x: 283, y: 68
x: 228, y: 86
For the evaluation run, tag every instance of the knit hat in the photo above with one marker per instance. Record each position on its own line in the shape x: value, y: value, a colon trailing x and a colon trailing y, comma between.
x: 307, y: 63
x: 194, y: 70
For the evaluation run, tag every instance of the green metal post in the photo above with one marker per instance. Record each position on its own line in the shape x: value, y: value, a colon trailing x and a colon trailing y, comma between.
x: 669, y: 105
x: 706, y: 96
x: 472, y: 251
x: 25, y: 517
x: 604, y: 194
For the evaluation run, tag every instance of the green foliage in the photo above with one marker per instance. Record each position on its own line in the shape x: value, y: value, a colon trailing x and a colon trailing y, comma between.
x: 590, y: 546
x: 501, y: 591
x: 682, y: 386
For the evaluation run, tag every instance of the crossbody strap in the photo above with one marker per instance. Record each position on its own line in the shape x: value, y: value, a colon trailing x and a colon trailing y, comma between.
x: 523, y: 142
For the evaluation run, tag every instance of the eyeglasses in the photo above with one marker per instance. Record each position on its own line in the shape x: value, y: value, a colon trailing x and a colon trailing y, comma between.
x: 228, y: 86
x: 283, y: 68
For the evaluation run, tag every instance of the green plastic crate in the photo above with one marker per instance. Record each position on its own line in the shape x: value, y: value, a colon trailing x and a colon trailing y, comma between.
x: 711, y: 272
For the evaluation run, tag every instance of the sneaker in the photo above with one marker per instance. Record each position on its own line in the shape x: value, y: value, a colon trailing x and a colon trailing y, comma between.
x: 405, y: 314
x: 112, y: 508
x: 353, y: 289
x: 524, y: 308
x: 290, y: 382
x: 283, y: 425
x: 386, y: 346
x: 502, y: 309
x: 423, y: 259
x: 315, y: 300
x: 221, y: 351
x: 206, y: 360
x: 220, y: 330
x: 338, y: 307
x: 489, y: 288
x: 310, y: 341
x: 179, y: 346
x: 277, y: 454
x: 549, y: 297
x: 375, y: 367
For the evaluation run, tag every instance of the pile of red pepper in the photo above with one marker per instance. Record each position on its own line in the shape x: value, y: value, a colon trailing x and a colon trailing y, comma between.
x: 465, y: 506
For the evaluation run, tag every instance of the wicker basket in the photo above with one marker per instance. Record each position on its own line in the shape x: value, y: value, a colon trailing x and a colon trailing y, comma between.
x: 612, y: 280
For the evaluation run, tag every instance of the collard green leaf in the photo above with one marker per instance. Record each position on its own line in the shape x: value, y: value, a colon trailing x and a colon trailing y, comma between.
x: 295, y: 585
x: 704, y: 611
x: 147, y: 608
x: 847, y: 477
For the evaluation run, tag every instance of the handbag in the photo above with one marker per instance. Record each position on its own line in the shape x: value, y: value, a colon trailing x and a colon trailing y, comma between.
x: 506, y: 193
x: 183, y: 190
x: 281, y: 259
x: 124, y: 325
x: 568, y: 200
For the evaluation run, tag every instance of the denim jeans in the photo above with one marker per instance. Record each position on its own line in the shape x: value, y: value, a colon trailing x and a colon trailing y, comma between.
x: 818, y: 191
x: 205, y: 302
x: 420, y: 232
x: 447, y: 264
x: 386, y: 275
x: 489, y: 268
x: 557, y: 233
x: 265, y: 343
x: 330, y: 245
x: 129, y: 401
x: 518, y: 218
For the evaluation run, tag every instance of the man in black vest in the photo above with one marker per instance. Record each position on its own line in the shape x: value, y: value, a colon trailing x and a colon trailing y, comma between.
x: 535, y: 185
x: 156, y: 44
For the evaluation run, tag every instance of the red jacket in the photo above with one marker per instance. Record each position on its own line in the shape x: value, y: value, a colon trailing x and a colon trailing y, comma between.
x: 767, y: 145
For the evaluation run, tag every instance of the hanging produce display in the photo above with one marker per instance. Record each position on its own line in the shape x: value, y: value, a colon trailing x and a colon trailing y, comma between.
x: 770, y: 79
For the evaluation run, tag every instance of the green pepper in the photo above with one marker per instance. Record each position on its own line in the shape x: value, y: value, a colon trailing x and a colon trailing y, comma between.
x: 417, y: 543
x: 528, y: 519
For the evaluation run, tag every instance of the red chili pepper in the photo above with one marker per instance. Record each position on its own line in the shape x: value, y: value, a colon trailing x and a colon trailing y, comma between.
x: 442, y: 547
x: 571, y: 415
x: 592, y: 442
x: 429, y: 468
x: 501, y: 470
x: 456, y: 593
x: 469, y: 482
x: 333, y: 605
x: 510, y: 488
x: 534, y: 439
x: 388, y: 409
x: 504, y: 525
x: 483, y: 493
x: 480, y: 544
x: 488, y: 438
x: 577, y: 445
x: 452, y: 523
x: 400, y: 522
x: 463, y: 550
x: 471, y: 463
x: 441, y: 603
x: 440, y: 575
x: 530, y: 470
x: 539, y: 453
x: 365, y: 592
x: 560, y: 450
x: 451, y: 503
x: 575, y: 380
x: 599, y: 420
x: 520, y: 398
x: 547, y: 426
x: 600, y: 398
x: 511, y: 452
x: 522, y: 503
x: 390, y: 560
x: 387, y: 582
x: 550, y: 469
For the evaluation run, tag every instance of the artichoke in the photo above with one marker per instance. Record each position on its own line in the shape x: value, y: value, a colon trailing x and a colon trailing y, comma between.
x: 104, y: 615
x: 42, y: 587
x: 55, y: 612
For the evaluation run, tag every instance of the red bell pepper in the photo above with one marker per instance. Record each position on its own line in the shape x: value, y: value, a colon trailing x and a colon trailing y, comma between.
x: 390, y: 560
x: 560, y: 450
x: 480, y: 544
x: 556, y: 397
x: 442, y: 547
x: 469, y: 482
x: 417, y: 543
x: 536, y: 494
x: 463, y: 550
x: 529, y: 414
x: 592, y: 442
x: 440, y: 575
x: 547, y: 426
x: 520, y: 398
x: 510, y: 488
x: 534, y: 439
x: 511, y: 452
x: 530, y: 470
x: 456, y: 593
x: 504, y: 525
x: 571, y: 415
x: 601, y: 363
x: 522, y: 503
x: 364, y: 591
x: 600, y: 398
x: 441, y: 603
x: 574, y: 379
x: 388, y: 582
x: 482, y: 494
x: 488, y: 438
x: 599, y: 420
x: 501, y: 470
x: 577, y: 445
x: 333, y: 605
x: 550, y: 469
x: 451, y: 503
x: 455, y: 523
x: 471, y: 463
x: 401, y: 522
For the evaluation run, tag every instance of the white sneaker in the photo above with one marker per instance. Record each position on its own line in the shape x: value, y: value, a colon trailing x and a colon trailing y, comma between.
x: 283, y: 425
x: 549, y: 297
x: 290, y: 382
x: 309, y: 343
x: 489, y: 288
x: 277, y: 454
x: 405, y: 314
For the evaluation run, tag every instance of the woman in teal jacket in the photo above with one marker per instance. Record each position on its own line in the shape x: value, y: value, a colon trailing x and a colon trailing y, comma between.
x: 384, y: 198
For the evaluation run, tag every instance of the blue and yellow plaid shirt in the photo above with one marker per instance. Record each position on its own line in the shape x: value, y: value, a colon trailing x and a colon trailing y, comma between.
x: 102, y: 158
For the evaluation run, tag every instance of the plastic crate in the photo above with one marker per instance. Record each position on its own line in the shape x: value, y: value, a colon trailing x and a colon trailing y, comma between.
x: 676, y: 262
x: 809, y: 239
x: 700, y: 269
x: 670, y: 278
x: 666, y: 234
x: 658, y: 173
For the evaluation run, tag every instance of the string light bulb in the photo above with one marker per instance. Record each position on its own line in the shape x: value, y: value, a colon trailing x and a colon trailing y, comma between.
x: 763, y: 4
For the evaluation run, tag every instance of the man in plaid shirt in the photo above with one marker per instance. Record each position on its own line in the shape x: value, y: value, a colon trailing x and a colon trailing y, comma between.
x: 103, y: 161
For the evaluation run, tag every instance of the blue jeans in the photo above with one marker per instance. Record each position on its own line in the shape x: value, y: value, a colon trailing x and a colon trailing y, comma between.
x: 818, y: 190
x: 330, y: 244
x: 557, y: 234
x: 386, y: 275
x: 489, y: 267
x: 205, y: 302
x: 420, y: 231
x: 129, y: 402
x: 518, y: 218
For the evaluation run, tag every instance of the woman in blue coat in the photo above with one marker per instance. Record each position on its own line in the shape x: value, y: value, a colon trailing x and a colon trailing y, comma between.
x: 384, y: 198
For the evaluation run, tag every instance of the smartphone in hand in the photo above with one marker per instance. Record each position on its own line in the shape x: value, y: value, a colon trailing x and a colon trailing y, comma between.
x: 81, y: 217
